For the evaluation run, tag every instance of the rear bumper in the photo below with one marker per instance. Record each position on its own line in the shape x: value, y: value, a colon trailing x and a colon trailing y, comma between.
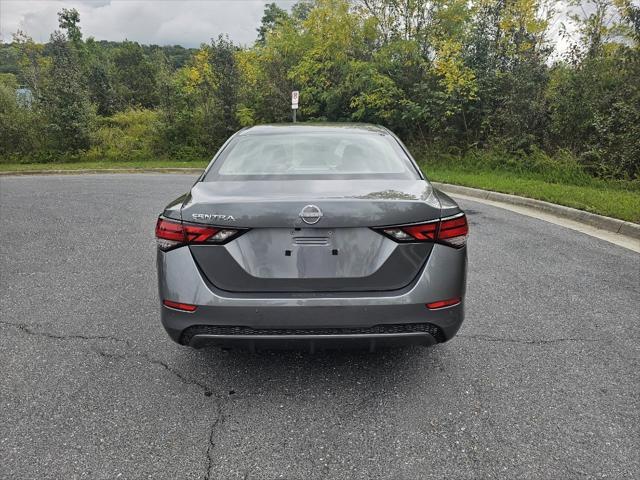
x: 310, y: 321
x: 312, y: 343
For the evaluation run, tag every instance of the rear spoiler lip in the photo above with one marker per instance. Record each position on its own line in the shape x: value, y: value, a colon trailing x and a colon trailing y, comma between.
x: 174, y: 209
x: 448, y: 206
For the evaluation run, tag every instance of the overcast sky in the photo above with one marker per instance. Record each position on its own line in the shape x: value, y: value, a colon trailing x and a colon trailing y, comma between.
x: 164, y: 22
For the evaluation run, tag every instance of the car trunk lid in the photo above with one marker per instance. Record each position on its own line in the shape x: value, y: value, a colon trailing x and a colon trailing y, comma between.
x: 338, y: 252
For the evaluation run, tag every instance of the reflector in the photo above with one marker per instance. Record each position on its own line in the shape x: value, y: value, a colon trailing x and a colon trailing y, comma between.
x: 443, y: 303
x: 179, y: 306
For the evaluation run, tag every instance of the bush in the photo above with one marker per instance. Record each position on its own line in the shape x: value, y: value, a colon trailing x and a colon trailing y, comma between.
x: 125, y: 136
x: 563, y: 167
x: 21, y: 127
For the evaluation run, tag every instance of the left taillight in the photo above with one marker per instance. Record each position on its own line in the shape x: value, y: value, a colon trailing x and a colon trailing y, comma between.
x: 174, y: 233
x: 451, y: 231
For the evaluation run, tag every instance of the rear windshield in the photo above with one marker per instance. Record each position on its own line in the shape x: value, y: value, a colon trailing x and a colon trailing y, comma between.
x: 313, y: 155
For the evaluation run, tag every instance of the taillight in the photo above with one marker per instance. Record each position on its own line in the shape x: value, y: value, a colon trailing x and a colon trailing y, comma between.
x: 451, y: 231
x: 174, y: 233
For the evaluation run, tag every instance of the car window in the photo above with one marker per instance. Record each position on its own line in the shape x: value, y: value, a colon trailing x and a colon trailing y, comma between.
x: 313, y: 155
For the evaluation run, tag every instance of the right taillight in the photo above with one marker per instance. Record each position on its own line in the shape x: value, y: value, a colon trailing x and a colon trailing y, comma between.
x: 174, y: 233
x: 454, y: 230
x: 450, y: 231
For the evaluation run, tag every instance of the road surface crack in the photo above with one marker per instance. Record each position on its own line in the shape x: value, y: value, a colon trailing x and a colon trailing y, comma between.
x: 219, y: 399
x: 29, y: 330
x: 215, y: 426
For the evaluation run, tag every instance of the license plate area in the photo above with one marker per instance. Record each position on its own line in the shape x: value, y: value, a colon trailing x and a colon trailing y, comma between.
x: 313, y: 253
x: 311, y: 237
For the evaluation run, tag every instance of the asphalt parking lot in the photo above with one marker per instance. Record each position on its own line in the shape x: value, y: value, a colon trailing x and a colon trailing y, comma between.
x: 543, y: 380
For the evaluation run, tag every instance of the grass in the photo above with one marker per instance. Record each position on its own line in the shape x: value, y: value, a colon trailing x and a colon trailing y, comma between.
x: 610, y: 198
x: 26, y: 167
x: 604, y: 198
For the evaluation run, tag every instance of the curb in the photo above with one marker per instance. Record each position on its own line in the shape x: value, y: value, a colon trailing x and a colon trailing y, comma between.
x: 609, y: 224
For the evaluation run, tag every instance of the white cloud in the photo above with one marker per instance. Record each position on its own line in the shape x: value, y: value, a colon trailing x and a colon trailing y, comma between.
x: 188, y: 23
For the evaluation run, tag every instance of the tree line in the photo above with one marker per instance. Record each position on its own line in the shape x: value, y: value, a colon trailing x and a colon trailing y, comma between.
x: 450, y: 76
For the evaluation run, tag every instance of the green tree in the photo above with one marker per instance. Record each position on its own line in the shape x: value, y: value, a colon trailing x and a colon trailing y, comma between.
x: 334, y: 41
x: 136, y: 77
x: 223, y: 62
x: 20, y: 124
x: 265, y: 74
x: 32, y: 62
x: 594, y: 95
x: 508, y: 51
x: 101, y: 90
x: 272, y: 17
x: 66, y: 99
x: 69, y: 20
x: 201, y: 105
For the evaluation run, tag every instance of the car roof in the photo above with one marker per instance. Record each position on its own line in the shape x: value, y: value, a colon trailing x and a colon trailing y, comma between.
x: 319, y: 127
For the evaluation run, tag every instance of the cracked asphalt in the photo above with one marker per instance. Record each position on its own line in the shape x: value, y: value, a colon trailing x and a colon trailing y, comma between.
x: 542, y: 381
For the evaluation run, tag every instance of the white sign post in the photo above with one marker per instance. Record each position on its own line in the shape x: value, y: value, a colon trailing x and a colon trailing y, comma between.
x: 295, y: 95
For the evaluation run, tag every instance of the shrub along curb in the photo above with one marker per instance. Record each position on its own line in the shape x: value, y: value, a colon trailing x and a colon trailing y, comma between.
x: 599, y: 221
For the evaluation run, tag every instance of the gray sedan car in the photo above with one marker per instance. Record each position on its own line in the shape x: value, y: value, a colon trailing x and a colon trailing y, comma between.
x: 312, y: 236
